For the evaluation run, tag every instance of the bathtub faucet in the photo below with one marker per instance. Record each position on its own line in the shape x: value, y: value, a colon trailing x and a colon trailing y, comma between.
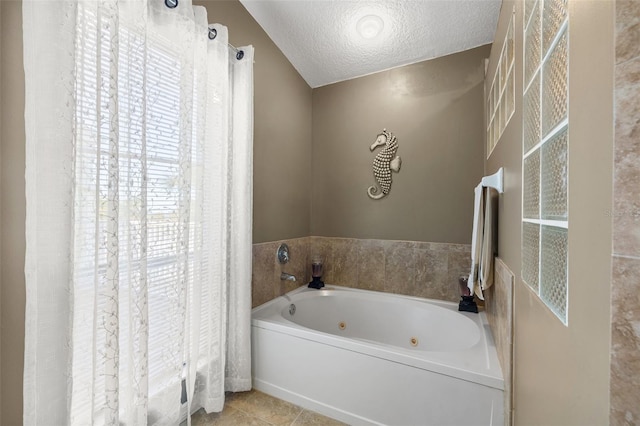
x: 287, y: 277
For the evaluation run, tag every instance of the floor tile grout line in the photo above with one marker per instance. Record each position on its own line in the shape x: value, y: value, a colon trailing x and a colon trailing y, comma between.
x: 299, y: 414
x: 253, y: 416
x: 232, y: 404
x: 625, y: 256
x: 257, y: 417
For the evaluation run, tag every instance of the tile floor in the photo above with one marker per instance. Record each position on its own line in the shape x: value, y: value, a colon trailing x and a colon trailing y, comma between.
x: 255, y: 408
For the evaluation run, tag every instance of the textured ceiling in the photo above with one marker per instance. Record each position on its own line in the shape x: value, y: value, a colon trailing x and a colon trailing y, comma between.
x: 319, y: 37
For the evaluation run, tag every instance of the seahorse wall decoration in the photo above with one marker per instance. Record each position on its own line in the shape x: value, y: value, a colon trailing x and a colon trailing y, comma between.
x: 385, y: 162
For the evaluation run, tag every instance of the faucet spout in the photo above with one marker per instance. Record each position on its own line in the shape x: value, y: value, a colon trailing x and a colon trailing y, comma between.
x: 287, y: 277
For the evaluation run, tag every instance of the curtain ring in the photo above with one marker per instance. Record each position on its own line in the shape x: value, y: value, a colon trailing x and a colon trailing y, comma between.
x: 213, y: 33
x: 239, y: 55
x: 171, y: 4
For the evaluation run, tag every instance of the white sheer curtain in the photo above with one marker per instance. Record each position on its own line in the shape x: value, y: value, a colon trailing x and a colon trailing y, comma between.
x: 139, y: 201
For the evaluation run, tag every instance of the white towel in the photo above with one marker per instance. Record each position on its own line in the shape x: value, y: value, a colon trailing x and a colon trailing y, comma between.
x: 489, y: 238
x: 483, y: 241
x: 476, y: 240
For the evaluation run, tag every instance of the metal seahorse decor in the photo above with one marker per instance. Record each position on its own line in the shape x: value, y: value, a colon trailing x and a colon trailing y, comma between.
x: 385, y: 162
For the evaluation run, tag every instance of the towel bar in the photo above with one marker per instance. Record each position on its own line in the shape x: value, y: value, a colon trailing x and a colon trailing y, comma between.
x: 494, y: 181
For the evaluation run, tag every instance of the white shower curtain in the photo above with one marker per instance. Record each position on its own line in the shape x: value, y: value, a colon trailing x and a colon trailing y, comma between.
x: 139, y: 128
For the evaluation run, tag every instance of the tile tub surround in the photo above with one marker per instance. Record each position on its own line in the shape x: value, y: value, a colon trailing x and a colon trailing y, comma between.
x: 259, y: 409
x: 413, y: 268
x: 625, y: 303
x: 266, y: 283
x: 499, y: 309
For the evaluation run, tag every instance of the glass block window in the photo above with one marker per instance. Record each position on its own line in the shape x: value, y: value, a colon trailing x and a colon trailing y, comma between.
x: 545, y: 143
x: 501, y: 95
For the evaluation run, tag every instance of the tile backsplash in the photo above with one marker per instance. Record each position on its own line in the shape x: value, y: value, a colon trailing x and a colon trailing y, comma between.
x: 265, y: 282
x: 414, y: 268
x: 499, y: 309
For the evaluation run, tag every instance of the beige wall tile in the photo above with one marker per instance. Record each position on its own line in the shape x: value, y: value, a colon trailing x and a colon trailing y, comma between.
x: 298, y: 264
x: 371, y: 265
x: 432, y: 269
x: 322, y: 246
x: 266, y: 282
x: 412, y: 268
x: 625, y: 287
x: 625, y: 342
x: 626, y: 208
x: 627, y: 30
x: 263, y: 277
x: 499, y: 309
x: 400, y: 267
x: 345, y: 262
x: 459, y: 264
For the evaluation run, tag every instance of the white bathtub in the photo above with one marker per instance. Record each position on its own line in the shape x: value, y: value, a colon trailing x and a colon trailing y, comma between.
x: 375, y: 358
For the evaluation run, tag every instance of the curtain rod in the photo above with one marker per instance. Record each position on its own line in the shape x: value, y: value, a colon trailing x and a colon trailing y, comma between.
x: 213, y: 33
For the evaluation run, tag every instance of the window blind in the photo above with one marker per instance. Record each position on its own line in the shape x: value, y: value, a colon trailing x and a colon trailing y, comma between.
x: 154, y: 253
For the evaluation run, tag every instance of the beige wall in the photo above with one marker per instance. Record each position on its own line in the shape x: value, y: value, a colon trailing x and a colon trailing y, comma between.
x: 282, y: 129
x: 435, y: 109
x: 0, y: 214
x: 13, y: 213
x: 561, y: 373
x: 625, y: 304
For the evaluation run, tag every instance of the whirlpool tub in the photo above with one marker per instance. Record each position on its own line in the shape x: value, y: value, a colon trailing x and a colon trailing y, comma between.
x: 366, y: 358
